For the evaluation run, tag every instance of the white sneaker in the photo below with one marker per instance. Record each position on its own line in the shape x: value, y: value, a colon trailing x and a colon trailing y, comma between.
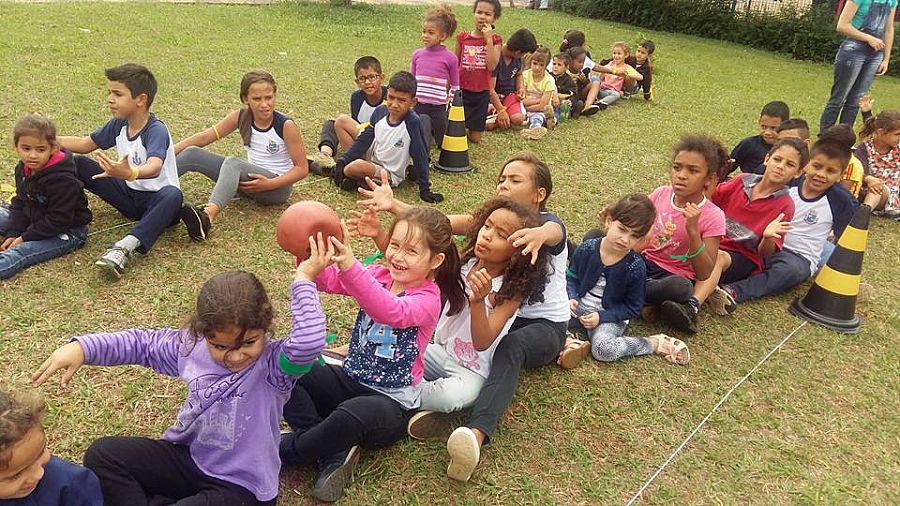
x: 465, y: 452
x: 535, y: 133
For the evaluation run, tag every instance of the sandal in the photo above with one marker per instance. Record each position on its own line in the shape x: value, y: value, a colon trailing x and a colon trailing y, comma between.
x: 673, y: 350
x: 573, y: 352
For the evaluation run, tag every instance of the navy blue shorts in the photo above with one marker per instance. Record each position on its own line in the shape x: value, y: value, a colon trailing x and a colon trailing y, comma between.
x: 475, y: 104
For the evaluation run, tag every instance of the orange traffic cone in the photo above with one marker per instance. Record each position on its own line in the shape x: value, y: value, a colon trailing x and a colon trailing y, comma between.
x: 831, y: 301
x: 455, y: 148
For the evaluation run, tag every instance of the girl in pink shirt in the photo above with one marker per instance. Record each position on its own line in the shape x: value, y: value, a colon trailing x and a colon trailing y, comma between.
x: 684, y: 240
x: 369, y: 400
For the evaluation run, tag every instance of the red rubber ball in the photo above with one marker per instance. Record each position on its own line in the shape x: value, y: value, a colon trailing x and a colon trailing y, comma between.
x: 302, y: 220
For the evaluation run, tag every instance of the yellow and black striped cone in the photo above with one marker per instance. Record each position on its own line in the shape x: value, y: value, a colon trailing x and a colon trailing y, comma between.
x: 831, y: 300
x: 455, y: 147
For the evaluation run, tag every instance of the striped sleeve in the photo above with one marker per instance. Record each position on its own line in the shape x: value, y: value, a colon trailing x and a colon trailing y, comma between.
x: 307, y: 337
x: 156, y: 349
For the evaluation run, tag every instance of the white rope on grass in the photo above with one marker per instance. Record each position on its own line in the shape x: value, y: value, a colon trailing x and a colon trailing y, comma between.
x: 699, y: 426
x: 120, y: 225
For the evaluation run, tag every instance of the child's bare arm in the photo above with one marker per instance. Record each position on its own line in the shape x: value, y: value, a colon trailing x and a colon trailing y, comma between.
x: 82, y: 145
x: 212, y: 134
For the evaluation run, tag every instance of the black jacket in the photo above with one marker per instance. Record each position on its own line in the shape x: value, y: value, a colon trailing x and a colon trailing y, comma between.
x: 47, y: 203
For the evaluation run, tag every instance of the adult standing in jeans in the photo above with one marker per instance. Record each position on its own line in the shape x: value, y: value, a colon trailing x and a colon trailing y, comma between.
x: 864, y: 54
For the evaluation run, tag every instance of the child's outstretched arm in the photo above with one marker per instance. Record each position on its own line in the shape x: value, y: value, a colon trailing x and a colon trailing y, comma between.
x: 549, y: 234
x: 212, y: 134
x: 381, y: 197
x: 157, y: 349
x: 81, y: 145
x: 486, y: 326
x: 366, y: 224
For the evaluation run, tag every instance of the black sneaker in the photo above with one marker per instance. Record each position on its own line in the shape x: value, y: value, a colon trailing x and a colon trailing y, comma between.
x: 349, y: 184
x: 602, y: 106
x: 334, y: 475
x: 196, y: 220
x: 679, y: 316
x: 590, y: 110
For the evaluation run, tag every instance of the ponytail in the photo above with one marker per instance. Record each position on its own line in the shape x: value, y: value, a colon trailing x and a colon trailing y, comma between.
x: 447, y: 277
x: 245, y: 123
x: 886, y: 120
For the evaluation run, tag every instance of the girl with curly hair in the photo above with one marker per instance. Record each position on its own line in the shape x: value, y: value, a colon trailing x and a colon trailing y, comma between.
x: 498, y: 280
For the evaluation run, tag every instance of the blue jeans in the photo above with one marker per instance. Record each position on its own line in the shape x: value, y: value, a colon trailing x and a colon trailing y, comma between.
x: 154, y: 211
x: 854, y: 70
x: 17, y: 259
x: 784, y: 270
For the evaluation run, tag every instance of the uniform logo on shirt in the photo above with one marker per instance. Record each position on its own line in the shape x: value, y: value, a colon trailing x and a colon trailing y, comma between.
x: 272, y: 148
x: 812, y: 217
x: 398, y: 144
x: 136, y: 160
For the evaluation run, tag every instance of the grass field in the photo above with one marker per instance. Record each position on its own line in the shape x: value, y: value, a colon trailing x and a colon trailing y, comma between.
x: 817, y: 424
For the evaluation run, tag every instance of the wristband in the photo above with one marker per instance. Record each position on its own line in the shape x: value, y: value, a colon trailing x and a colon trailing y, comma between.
x: 501, y: 109
x: 687, y: 256
x: 134, y: 174
x: 216, y: 131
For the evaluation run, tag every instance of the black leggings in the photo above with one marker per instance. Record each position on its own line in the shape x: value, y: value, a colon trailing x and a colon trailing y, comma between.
x: 330, y: 412
x: 530, y: 343
x: 434, y: 122
x: 662, y: 285
x: 135, y: 470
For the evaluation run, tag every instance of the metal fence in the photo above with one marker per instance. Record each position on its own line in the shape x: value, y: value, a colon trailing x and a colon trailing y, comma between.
x: 771, y: 6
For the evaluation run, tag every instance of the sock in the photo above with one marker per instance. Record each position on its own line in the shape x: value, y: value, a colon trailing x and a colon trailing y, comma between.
x: 694, y: 304
x: 129, y: 243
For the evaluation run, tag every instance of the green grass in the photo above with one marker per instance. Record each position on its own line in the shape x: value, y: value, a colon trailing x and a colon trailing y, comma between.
x: 817, y: 424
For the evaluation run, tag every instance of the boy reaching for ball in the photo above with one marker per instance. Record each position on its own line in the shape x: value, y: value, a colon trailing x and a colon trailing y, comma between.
x: 392, y: 138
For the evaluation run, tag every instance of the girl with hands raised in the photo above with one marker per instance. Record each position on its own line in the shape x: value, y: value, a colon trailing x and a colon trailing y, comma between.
x: 539, y: 330
x: 234, y: 374
x: 368, y: 400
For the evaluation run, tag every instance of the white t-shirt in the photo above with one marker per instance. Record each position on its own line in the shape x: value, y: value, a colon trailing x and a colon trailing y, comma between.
x: 556, y: 300
x: 810, y: 227
x: 153, y: 140
x: 454, y: 332
x: 267, y: 148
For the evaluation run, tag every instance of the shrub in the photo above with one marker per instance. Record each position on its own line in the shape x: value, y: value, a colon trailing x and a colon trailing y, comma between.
x: 806, y: 35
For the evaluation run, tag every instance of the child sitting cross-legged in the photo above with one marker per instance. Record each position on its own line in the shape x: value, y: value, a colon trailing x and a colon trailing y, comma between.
x: 606, y: 282
x: 539, y: 89
x: 611, y: 83
x: 393, y: 137
x: 340, y: 132
x: 223, y: 449
x: 29, y: 474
